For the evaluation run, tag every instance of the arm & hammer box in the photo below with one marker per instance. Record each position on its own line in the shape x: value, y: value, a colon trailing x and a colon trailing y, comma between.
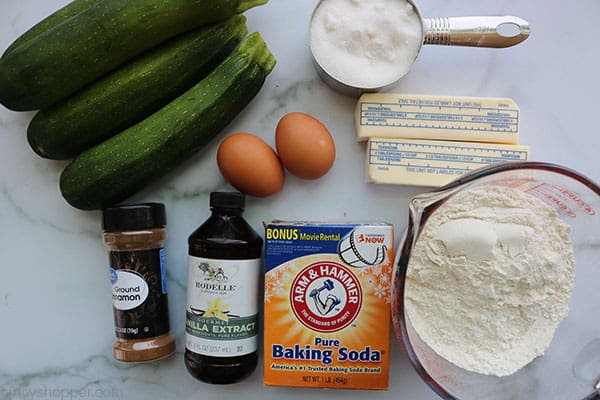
x: 327, y: 304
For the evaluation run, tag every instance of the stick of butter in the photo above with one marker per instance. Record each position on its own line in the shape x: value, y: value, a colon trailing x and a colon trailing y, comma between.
x: 474, y: 119
x: 432, y: 162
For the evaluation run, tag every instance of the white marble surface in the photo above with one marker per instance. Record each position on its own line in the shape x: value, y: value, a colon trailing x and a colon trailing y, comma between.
x: 55, y: 313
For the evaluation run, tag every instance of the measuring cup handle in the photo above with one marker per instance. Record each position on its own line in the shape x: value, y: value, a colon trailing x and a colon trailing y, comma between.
x: 474, y: 31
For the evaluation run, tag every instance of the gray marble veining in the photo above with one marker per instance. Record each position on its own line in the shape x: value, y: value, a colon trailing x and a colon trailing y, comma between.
x: 55, y: 311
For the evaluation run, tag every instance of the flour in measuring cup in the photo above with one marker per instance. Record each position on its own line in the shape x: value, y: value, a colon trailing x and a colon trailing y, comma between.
x: 366, y: 43
x: 489, y: 279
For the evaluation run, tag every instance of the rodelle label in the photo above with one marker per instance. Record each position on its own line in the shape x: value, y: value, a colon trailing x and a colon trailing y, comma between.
x: 139, y: 293
x: 222, y: 306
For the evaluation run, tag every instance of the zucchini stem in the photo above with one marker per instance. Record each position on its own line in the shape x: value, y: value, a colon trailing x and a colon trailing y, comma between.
x: 248, y: 4
x: 254, y: 46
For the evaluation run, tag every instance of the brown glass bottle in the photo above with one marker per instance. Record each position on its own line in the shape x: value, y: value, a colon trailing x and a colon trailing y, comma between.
x: 223, y: 291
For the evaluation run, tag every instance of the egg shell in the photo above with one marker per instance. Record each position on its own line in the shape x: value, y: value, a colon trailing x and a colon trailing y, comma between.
x: 304, y: 145
x: 250, y: 165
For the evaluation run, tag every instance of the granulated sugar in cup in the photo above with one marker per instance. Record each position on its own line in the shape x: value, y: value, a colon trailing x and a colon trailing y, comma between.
x: 364, y: 46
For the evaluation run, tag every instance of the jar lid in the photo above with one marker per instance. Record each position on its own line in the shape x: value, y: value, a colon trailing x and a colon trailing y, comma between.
x: 228, y: 200
x: 134, y: 216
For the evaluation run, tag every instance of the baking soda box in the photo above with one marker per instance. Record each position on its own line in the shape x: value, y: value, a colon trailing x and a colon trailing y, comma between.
x: 327, y: 304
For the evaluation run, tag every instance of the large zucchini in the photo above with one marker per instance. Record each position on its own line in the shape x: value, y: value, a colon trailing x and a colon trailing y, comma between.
x: 133, y: 92
x: 117, y: 168
x: 62, y: 60
x: 56, y: 18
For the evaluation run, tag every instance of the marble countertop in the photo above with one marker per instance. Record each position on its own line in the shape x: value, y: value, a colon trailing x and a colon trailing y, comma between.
x: 55, y: 310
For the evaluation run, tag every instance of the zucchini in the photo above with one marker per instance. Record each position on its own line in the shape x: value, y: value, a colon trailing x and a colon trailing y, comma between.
x: 133, y: 92
x: 120, y: 166
x: 62, y: 60
x: 56, y: 18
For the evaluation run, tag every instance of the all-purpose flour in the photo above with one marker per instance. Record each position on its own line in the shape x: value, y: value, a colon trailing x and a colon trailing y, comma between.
x: 490, y: 279
x: 366, y: 43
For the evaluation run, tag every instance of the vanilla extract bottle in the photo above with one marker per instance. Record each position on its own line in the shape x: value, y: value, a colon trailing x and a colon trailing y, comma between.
x: 222, y: 299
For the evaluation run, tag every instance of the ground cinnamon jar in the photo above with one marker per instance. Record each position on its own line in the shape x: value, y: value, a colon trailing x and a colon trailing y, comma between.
x: 135, y: 236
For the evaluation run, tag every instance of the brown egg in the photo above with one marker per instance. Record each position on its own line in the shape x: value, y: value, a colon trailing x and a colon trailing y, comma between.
x: 304, y: 145
x: 250, y: 165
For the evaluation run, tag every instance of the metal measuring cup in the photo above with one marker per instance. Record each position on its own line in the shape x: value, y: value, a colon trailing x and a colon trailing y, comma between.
x: 473, y: 31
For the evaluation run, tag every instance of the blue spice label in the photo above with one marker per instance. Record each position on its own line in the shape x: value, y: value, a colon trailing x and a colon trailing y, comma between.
x: 139, y: 298
x: 163, y: 273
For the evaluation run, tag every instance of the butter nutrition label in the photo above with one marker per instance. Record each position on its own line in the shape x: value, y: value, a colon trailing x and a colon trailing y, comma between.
x: 476, y: 119
x: 433, y: 162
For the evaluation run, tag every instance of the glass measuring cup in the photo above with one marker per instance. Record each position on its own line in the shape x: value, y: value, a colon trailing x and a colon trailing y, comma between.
x: 570, y: 369
x: 474, y: 31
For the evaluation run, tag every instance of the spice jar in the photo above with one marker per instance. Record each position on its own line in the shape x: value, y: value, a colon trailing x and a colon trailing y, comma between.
x: 135, y: 236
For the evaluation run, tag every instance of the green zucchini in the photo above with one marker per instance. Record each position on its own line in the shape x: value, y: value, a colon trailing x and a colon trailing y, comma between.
x: 56, y: 18
x: 133, y: 92
x: 122, y: 165
x: 60, y: 61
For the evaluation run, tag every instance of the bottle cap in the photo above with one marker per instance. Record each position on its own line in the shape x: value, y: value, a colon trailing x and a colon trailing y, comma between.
x: 134, y: 216
x: 228, y: 200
